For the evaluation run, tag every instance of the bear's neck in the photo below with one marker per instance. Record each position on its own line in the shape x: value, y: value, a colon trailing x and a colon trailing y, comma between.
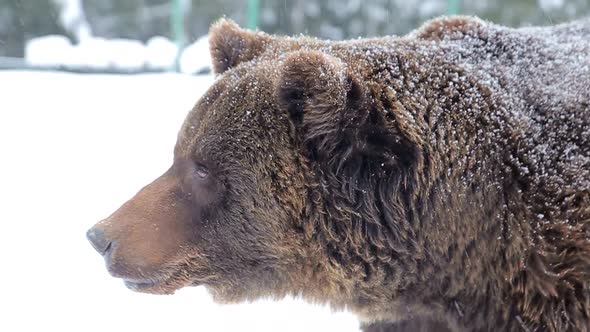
x: 446, y: 252
x: 435, y: 239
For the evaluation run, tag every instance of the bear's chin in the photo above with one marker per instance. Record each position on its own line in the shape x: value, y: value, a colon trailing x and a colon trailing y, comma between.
x: 229, y: 294
x: 222, y: 295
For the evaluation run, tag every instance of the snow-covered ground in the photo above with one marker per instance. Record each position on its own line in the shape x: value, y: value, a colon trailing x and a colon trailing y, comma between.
x: 73, y: 148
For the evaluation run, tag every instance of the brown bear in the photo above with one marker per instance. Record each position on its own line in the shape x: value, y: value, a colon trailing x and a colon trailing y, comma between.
x: 438, y: 181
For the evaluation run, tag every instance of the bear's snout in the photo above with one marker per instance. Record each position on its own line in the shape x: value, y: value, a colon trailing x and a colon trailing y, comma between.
x: 98, y: 239
x: 143, y: 241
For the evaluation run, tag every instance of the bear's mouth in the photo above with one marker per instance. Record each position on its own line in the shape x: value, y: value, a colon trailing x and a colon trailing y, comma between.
x: 150, y: 287
x: 139, y: 285
x: 164, y: 285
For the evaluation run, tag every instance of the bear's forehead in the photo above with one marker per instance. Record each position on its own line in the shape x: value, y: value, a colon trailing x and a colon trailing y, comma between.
x: 239, y: 111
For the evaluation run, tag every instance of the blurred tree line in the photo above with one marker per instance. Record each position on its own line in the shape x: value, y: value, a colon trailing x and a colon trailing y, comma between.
x: 21, y: 20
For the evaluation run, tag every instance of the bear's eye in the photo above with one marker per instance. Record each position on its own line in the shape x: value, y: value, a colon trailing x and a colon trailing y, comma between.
x: 201, y: 172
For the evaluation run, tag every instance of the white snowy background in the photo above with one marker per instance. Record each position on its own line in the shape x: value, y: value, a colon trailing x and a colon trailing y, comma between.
x: 73, y: 149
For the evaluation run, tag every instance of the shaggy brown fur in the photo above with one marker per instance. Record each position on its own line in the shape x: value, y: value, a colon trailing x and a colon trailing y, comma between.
x: 437, y: 181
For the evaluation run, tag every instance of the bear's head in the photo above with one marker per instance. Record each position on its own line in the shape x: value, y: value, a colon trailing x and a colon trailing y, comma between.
x: 267, y: 187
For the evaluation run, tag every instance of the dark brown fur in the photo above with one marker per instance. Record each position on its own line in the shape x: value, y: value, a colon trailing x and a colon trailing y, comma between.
x: 435, y: 181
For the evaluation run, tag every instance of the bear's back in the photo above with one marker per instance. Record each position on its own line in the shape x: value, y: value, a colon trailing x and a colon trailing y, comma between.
x: 540, y: 79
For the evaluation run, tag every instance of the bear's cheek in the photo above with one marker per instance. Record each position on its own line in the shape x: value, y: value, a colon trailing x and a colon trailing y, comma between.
x: 245, y: 248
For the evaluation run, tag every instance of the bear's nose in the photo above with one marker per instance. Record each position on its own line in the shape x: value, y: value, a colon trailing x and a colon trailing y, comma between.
x: 98, y: 239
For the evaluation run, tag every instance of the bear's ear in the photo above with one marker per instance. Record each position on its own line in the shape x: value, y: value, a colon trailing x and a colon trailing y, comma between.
x: 230, y: 45
x: 336, y: 116
x: 323, y: 100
